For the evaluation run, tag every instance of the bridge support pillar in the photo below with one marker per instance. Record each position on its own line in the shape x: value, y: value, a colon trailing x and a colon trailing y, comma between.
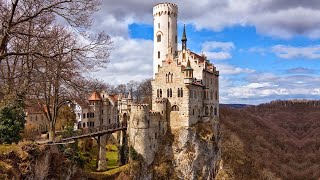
x: 102, y: 160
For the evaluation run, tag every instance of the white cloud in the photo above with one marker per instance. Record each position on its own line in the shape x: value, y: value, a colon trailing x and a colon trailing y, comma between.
x: 226, y: 69
x: 281, y: 18
x: 217, y: 50
x: 262, y: 87
x: 289, y: 52
x: 130, y: 60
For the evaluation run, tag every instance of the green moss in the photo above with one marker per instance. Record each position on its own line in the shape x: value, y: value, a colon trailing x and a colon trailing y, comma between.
x: 111, y: 155
x: 110, y: 173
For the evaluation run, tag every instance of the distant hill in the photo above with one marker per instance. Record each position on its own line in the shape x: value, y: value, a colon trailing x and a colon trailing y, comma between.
x: 237, y: 106
x: 277, y: 140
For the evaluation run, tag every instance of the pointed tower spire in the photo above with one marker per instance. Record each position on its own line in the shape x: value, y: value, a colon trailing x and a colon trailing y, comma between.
x: 184, y: 39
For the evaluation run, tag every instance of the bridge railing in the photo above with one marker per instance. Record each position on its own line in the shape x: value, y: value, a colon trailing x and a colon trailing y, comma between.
x: 91, y: 130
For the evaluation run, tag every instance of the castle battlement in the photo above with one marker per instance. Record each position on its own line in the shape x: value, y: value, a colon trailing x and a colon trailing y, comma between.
x: 154, y: 114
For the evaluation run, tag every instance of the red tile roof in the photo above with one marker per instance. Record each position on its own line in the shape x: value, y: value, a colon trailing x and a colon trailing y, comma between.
x: 197, y: 56
x: 95, y: 96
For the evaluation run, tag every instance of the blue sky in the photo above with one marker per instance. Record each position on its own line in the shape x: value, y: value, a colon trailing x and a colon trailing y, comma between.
x: 264, y: 50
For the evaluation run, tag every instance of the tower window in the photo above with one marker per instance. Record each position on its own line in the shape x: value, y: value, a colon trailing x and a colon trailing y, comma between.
x: 158, y: 25
x: 159, y: 38
x: 176, y: 39
x: 158, y: 54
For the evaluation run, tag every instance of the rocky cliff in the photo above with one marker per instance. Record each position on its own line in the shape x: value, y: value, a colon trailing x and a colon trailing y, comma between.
x: 186, y: 153
x: 31, y: 161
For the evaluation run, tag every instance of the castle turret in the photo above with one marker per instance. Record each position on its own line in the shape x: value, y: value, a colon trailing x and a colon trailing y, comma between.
x: 165, y: 33
x: 188, y: 76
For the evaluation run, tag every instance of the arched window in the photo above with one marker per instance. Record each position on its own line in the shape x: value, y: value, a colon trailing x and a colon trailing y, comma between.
x: 175, y: 108
x: 178, y: 92
x: 170, y: 92
x: 168, y: 78
x: 159, y: 38
x: 215, y: 111
x: 160, y: 92
x: 157, y: 92
x: 181, y: 92
x: 206, y: 111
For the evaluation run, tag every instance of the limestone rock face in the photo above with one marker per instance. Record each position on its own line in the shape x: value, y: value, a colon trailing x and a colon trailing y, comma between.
x: 188, y: 153
x: 196, y: 152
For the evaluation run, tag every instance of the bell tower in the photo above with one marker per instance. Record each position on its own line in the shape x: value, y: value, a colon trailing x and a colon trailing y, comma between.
x: 165, y: 41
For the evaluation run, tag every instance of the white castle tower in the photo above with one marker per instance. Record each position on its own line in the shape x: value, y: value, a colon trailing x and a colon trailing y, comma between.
x: 165, y: 33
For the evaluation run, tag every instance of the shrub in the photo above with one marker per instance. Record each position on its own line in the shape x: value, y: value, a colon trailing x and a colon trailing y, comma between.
x: 12, y: 120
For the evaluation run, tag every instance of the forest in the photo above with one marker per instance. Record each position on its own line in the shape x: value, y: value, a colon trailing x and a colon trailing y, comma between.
x: 276, y: 140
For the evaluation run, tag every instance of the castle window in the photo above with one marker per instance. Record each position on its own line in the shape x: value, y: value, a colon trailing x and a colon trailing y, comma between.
x: 160, y: 92
x: 193, y: 112
x: 92, y: 124
x: 84, y: 115
x: 158, y: 54
x: 216, y: 95
x: 93, y: 115
x: 175, y: 108
x: 159, y: 38
x: 109, y: 121
x: 170, y: 92
x: 181, y: 92
x: 155, y: 135
x: 215, y: 111
x: 178, y: 92
x: 211, y: 111
x: 206, y: 111
x: 158, y: 25
x: 88, y: 116
x: 84, y: 125
x: 176, y: 39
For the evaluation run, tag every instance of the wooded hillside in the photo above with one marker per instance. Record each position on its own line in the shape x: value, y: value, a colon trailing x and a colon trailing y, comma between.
x: 278, y: 140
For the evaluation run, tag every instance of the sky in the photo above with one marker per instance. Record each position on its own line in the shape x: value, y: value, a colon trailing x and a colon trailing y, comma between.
x: 264, y: 49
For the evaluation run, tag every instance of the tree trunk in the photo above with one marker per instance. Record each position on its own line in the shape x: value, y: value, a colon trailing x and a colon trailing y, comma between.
x: 52, y: 131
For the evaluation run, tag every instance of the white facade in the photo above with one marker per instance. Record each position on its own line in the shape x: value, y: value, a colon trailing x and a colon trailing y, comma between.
x: 165, y: 33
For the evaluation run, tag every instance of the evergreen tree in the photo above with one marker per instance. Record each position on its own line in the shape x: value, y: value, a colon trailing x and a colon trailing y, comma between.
x: 12, y: 120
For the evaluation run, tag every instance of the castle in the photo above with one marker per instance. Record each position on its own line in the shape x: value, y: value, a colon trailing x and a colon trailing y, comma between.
x: 185, y: 91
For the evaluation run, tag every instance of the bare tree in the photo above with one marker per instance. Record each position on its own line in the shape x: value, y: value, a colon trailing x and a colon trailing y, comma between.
x: 43, y: 61
x: 24, y: 25
x: 58, y: 79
